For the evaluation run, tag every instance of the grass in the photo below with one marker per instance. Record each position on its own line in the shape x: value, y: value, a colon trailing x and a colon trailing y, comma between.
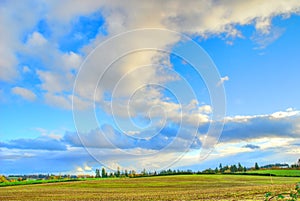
x: 29, y: 182
x: 180, y: 187
x: 283, y: 173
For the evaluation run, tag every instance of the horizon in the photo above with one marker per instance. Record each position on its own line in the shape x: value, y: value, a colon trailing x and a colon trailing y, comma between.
x: 273, y: 166
x: 179, y: 85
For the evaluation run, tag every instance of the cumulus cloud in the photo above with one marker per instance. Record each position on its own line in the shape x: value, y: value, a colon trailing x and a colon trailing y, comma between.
x: 56, y: 68
x: 36, y: 39
x: 201, y: 18
x: 24, y: 93
x: 12, y: 33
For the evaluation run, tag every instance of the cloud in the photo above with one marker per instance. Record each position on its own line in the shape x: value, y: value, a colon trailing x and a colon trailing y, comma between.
x: 109, y: 138
x: 251, y: 146
x: 196, y: 18
x: 12, y: 33
x: 223, y: 79
x: 55, y: 68
x: 36, y: 39
x: 278, y: 124
x: 40, y: 143
x: 258, y: 139
x: 26, y: 69
x: 265, y: 38
x: 24, y: 93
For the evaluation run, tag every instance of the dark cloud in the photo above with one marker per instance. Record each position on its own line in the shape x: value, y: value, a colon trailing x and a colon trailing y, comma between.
x: 43, y: 161
x: 251, y: 146
x: 257, y: 127
x: 109, y: 137
x: 40, y: 143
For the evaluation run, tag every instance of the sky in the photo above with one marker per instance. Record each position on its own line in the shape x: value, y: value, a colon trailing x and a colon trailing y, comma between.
x: 154, y: 85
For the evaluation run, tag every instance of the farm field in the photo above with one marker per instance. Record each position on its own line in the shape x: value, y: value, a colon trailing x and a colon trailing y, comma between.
x: 180, y: 187
x: 286, y: 173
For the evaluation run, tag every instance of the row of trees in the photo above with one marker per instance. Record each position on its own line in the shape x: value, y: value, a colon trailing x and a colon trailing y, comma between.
x: 133, y: 173
x: 118, y: 173
x: 221, y: 169
x: 226, y: 169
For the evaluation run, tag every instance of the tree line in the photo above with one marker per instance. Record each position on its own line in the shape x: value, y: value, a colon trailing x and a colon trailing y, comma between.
x: 132, y: 173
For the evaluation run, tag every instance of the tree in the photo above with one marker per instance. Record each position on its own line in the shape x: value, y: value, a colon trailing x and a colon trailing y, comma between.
x: 97, y: 173
x: 3, y: 179
x: 256, y: 166
x: 132, y: 173
x: 233, y: 168
x: 103, y: 173
x: 216, y: 170
x: 118, y: 173
x: 221, y: 168
x: 144, y: 173
x: 240, y: 167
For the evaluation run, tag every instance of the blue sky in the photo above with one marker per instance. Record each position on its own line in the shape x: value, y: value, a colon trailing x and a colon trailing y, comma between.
x: 85, y: 85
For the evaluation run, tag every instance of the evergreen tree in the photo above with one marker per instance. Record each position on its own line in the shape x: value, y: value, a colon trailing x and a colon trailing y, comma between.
x: 221, y: 168
x: 118, y: 173
x: 103, y: 173
x: 256, y: 166
x: 240, y: 167
x: 233, y: 168
x: 97, y: 173
x: 216, y: 170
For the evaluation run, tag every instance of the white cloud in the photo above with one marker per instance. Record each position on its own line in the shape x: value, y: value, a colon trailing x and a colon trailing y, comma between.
x: 204, y: 18
x: 61, y: 101
x: 36, y: 39
x: 54, y: 82
x: 223, y: 79
x: 71, y: 60
x: 79, y: 169
x: 200, y: 18
x: 50, y: 134
x: 87, y: 168
x: 7, y: 65
x: 11, y: 34
x: 26, y: 69
x: 24, y: 93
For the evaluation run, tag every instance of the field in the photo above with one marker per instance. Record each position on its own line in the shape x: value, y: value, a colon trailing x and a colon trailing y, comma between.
x: 284, y: 173
x: 182, y: 187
